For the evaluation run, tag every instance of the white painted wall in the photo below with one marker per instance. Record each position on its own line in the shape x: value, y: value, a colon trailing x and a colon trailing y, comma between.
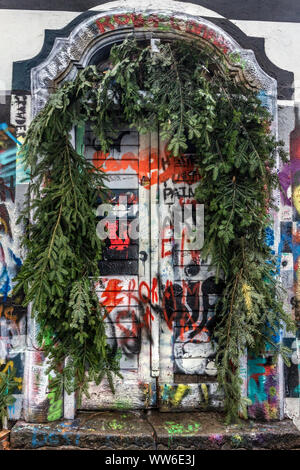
x: 281, y: 44
x: 22, y: 36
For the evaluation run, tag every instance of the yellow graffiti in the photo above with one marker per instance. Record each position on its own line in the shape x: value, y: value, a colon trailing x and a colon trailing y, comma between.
x: 236, y: 440
x: 2, y: 222
x: 10, y: 365
x: 271, y: 411
x: 7, y: 365
x: 180, y: 392
x: 19, y: 381
x: 205, y: 392
x: 296, y: 198
x: 172, y: 395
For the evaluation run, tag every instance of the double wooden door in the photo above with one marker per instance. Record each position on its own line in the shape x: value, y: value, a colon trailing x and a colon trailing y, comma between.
x: 158, y: 294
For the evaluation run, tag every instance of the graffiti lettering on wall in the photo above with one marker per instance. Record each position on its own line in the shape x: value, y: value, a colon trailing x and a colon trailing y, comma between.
x: 263, y: 388
x: 8, y: 152
x: 293, y: 172
x: 290, y: 238
x: 15, y: 363
x: 20, y: 115
x: 188, y: 396
x: 164, y: 166
x: 172, y: 396
x: 62, y: 435
x: 12, y: 316
x: 292, y: 373
x: 126, y: 315
x: 149, y: 394
x: 162, y: 23
x: 188, y: 309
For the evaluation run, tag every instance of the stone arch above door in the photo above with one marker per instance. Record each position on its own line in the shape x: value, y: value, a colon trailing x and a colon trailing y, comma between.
x: 74, y: 52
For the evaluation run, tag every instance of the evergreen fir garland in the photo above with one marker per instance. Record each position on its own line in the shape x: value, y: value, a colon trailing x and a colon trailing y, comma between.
x: 193, y: 99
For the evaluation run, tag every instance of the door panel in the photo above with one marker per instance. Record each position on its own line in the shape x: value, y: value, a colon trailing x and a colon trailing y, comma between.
x: 125, y: 268
x: 188, y: 295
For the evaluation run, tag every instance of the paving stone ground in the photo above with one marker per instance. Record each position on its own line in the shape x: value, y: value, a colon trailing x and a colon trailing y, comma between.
x: 138, y: 430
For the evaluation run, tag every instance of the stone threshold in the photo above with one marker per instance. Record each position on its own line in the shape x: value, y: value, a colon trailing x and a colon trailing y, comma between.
x: 154, y: 430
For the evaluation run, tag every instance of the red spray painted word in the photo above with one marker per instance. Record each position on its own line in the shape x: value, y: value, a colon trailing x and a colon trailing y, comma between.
x: 165, y: 168
x: 110, y: 23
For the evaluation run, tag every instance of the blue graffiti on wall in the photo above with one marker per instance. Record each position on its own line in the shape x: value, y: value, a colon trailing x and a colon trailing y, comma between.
x: 8, y: 157
x: 8, y: 271
x: 9, y: 261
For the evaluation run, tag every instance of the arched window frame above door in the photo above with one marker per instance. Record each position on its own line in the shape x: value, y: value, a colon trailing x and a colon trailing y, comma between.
x: 100, y: 31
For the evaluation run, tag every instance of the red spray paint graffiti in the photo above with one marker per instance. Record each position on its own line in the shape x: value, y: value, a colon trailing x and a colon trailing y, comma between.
x: 180, y: 307
x: 110, y: 23
x: 165, y: 167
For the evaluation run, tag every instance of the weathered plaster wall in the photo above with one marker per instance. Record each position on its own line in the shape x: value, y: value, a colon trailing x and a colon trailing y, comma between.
x: 22, y: 38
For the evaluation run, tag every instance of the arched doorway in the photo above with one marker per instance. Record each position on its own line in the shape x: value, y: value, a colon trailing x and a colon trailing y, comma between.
x: 169, y: 369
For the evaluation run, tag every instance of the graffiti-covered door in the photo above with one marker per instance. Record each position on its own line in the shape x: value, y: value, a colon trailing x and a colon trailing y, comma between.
x: 125, y: 285
x: 158, y: 294
x: 188, y: 289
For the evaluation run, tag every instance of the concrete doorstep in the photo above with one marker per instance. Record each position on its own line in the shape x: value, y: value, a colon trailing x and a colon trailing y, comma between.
x: 154, y: 430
